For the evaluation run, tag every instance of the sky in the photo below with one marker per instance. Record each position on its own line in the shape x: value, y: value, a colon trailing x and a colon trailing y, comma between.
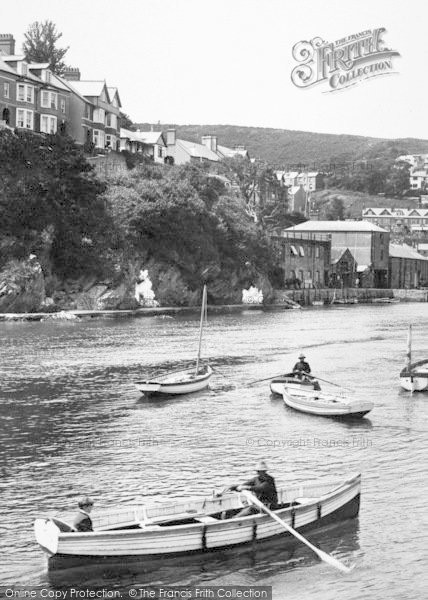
x: 230, y: 61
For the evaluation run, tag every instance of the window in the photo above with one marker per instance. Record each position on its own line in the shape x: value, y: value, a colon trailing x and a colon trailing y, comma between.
x: 309, y: 275
x: 62, y: 105
x: 48, y: 76
x: 87, y: 111
x: 317, y: 251
x: 6, y: 90
x: 25, y: 93
x: 293, y: 250
x: 98, y: 138
x: 99, y: 115
x: 159, y: 151
x: 110, y: 141
x: 301, y: 251
x: 317, y: 277
x: 24, y: 118
x: 48, y: 124
x: 49, y: 99
x: 24, y: 69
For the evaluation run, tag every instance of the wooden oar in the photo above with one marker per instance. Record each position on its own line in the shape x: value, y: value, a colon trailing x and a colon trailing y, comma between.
x: 323, y: 555
x: 330, y: 382
x: 265, y: 379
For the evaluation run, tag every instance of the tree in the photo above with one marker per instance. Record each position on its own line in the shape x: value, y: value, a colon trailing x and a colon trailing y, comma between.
x: 40, y: 46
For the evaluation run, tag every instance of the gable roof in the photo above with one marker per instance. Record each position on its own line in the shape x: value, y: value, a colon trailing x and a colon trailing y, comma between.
x: 231, y: 152
x: 5, y: 67
x: 113, y: 91
x: 93, y: 89
x: 338, y: 253
x: 145, y: 137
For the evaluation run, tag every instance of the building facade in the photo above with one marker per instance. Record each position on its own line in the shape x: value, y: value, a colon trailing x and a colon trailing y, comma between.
x: 407, y: 268
x: 368, y: 244
x: 305, y: 258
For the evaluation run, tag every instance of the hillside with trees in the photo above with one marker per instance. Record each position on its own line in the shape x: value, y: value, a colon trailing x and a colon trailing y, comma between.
x: 282, y: 148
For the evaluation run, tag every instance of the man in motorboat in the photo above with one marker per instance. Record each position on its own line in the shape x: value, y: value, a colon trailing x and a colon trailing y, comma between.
x: 262, y: 486
x: 82, y: 521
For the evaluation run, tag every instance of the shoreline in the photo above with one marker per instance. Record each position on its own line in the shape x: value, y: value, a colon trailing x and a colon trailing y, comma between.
x: 285, y: 300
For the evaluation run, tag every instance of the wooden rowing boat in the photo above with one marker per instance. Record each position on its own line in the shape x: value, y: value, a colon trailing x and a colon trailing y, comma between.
x: 184, y: 381
x: 323, y: 404
x: 196, y: 525
x: 293, y: 382
x: 414, y: 376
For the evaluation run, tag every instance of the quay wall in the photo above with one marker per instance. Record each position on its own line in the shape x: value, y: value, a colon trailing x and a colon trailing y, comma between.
x: 283, y: 299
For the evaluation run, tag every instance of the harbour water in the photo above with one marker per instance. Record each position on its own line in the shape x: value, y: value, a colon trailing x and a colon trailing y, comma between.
x: 73, y: 423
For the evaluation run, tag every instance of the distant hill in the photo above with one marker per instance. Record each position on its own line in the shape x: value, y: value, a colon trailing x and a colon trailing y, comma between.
x: 283, y: 148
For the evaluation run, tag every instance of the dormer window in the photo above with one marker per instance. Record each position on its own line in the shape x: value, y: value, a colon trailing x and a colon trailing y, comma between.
x: 48, y: 76
x: 24, y: 69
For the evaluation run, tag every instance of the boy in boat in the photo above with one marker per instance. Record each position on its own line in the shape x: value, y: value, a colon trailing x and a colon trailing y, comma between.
x: 262, y: 486
x: 82, y: 521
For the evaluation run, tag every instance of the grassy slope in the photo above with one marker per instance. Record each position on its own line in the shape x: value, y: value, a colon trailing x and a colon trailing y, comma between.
x: 282, y: 147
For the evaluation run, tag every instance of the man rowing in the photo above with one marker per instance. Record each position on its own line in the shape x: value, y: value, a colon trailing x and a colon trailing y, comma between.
x: 262, y: 486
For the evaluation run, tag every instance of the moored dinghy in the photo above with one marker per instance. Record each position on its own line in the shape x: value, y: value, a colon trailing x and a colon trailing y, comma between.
x: 192, y: 526
x: 185, y: 381
x: 324, y: 404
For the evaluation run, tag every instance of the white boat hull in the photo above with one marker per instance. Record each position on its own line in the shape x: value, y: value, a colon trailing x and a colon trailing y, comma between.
x: 306, y: 507
x: 183, y: 382
x: 325, y: 405
x: 293, y: 383
x: 414, y: 383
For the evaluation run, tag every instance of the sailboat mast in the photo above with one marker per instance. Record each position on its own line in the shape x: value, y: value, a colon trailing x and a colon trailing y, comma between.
x: 203, y: 309
x: 409, y: 347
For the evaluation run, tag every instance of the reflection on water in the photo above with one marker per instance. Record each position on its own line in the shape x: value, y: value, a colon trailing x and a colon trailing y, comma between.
x: 73, y: 423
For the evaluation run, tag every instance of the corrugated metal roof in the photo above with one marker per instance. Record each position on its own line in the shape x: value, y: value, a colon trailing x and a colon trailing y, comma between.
x: 404, y: 251
x: 337, y: 226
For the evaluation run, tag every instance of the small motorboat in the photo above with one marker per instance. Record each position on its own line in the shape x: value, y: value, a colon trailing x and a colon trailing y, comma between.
x: 293, y: 381
x: 324, y: 404
x: 414, y: 376
x: 184, y: 381
x: 199, y: 525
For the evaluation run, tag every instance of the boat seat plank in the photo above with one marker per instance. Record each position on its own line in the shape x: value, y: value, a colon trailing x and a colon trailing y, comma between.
x: 207, y: 519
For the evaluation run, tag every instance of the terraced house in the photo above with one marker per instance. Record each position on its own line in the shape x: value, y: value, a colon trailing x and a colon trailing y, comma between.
x: 33, y: 97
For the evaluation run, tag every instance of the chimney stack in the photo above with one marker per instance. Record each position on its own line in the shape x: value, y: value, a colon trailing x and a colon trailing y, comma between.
x: 210, y: 141
x: 7, y: 44
x: 72, y: 74
x: 170, y: 137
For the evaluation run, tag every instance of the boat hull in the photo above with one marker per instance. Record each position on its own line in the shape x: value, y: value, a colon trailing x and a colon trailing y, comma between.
x: 414, y: 378
x: 189, y: 384
x: 155, y: 542
x: 277, y: 384
x: 322, y: 405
